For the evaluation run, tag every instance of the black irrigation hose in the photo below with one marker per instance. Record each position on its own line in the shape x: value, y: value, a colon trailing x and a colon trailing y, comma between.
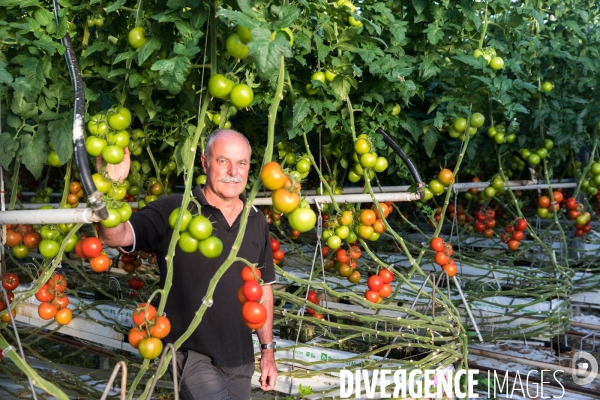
x: 94, y: 196
x: 413, y: 170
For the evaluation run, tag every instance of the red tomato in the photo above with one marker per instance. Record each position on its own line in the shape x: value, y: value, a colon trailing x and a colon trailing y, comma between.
x: 441, y: 258
x: 437, y: 244
x: 140, y: 315
x: 518, y: 235
x: 354, y: 252
x: 558, y: 196
x: 46, y: 311
x: 313, y: 297
x: 44, y: 294
x: 60, y: 301
x: 79, y: 249
x: 136, y: 334
x: 450, y: 269
x: 92, y: 247
x: 252, y: 290
x: 325, y: 251
x: 386, y: 290
x: 572, y: 203
x: 375, y: 282
x: 521, y: 224
x: 372, y: 296
x: 63, y: 316
x: 161, y: 327
x: 241, y: 298
x: 513, y: 245
x: 342, y: 257
x: 253, y: 312
x: 10, y: 281
x: 32, y: 240
x: 57, y: 282
x: 274, y: 245
x: 278, y: 255
x: 248, y: 275
x: 100, y: 263
x: 13, y: 238
x: 386, y: 275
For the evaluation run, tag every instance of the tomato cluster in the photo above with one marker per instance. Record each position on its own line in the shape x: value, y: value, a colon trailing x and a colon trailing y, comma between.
x: 485, y: 222
x: 241, y: 95
x: 22, y: 238
x: 10, y: 281
x: 54, y: 302
x: 515, y: 232
x: 195, y: 234
x: 366, y: 160
x: 548, y: 206
x: 459, y: 128
x: 130, y: 262
x: 286, y: 197
x: 312, y: 297
x: 109, y: 135
x: 591, y: 182
x: 91, y: 248
x: 379, y: 286
x: 148, y: 330
x: 278, y: 253
x: 135, y: 284
x: 443, y: 255
x: 582, y: 219
x: 436, y: 186
x: 254, y: 313
x: 536, y: 156
x: 489, y: 54
x: 345, y: 262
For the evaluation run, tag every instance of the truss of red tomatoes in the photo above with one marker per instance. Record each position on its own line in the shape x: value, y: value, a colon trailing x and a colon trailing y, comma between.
x: 91, y: 248
x: 148, y: 330
x: 345, y: 262
x: 485, y: 222
x: 10, y: 282
x: 254, y: 313
x: 278, y: 253
x: 379, y: 286
x: 515, y: 232
x: 443, y: 255
x: 582, y: 219
x: 313, y: 298
x: 54, y: 302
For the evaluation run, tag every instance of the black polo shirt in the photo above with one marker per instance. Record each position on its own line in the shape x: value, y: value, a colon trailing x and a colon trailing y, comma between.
x: 222, y: 334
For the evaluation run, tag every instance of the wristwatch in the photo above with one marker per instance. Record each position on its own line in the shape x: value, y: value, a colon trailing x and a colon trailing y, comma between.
x: 266, y: 346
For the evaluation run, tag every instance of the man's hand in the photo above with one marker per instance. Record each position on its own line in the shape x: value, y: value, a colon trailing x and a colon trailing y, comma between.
x: 268, y: 370
x: 116, y: 172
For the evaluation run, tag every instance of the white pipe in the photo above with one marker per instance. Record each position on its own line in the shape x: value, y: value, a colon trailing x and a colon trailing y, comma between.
x: 352, y: 198
x: 57, y: 216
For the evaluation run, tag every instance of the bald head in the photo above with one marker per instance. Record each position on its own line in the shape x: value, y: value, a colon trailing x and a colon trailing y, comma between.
x: 222, y: 134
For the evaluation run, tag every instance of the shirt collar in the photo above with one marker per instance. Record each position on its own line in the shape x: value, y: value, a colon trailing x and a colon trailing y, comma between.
x: 197, y: 192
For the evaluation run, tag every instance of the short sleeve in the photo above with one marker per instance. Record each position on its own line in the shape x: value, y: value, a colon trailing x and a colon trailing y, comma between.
x: 150, y: 225
x: 266, y: 257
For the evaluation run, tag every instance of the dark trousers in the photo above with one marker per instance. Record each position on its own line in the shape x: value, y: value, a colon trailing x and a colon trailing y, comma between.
x: 199, y: 379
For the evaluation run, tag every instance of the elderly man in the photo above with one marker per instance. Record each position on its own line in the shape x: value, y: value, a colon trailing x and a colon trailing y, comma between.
x: 217, y: 360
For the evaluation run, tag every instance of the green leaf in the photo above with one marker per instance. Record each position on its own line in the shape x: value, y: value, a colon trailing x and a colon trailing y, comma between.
x: 33, y: 70
x: 189, y: 51
x: 301, y: 110
x: 135, y: 79
x: 61, y: 136
x: 114, y: 6
x: 124, y: 56
x: 429, y: 141
x: 228, y: 110
x: 341, y: 86
x: 246, y: 7
x: 285, y: 16
x: 427, y: 68
x: 22, y: 108
x: 419, y: 5
x: 434, y: 33
x: 97, y: 46
x: 147, y: 49
x: 173, y: 72
x: 477, y: 63
x: 183, y: 154
x: 267, y: 53
x: 14, y: 121
x: 184, y: 28
x: 5, y: 76
x: 398, y: 30
x: 34, y: 152
x: 43, y: 16
x: 238, y: 18
x: 49, y: 46
x: 8, y: 149
x: 413, y: 127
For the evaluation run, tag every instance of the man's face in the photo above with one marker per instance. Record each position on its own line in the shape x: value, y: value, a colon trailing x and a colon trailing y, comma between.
x: 228, y: 166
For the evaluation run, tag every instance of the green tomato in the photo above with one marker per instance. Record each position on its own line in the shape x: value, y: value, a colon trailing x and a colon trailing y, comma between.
x: 188, y: 243
x: 511, y: 138
x: 354, y: 22
x: 236, y: 47
x: 49, y: 248
x: 490, y: 191
x: 329, y: 76
x: 492, y: 132
x: 497, y: 63
x: 548, y: 144
x: 318, y: 76
x: 368, y: 160
x: 211, y: 247
x: 185, y: 219
x: 477, y: 120
x: 547, y: 87
x: 353, y: 176
x: 94, y: 145
x: 71, y: 243
x: 245, y: 34
x: 125, y: 212
x: 201, y: 180
x: 200, y: 227
x: 136, y: 38
x: 453, y: 133
x: 310, y: 90
x: 381, y: 164
x: 120, y: 119
x: 241, y: 95
x: 219, y: 86
x: 303, y: 165
x: 534, y: 159
x: 436, y: 187
x: 460, y: 124
x: 395, y: 110
x: 53, y: 159
x: 499, y: 138
x: 334, y: 242
x: 113, y: 219
x: 120, y: 138
x: 542, y: 153
x: 113, y: 154
x: 97, y: 125
x: 101, y: 184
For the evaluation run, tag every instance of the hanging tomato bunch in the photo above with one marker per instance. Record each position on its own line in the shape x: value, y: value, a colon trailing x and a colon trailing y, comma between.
x: 254, y: 313
x: 148, y: 330
x: 443, y: 255
x: 196, y: 234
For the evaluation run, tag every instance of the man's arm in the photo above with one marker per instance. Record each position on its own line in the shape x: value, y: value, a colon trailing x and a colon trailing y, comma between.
x: 119, y: 236
x: 268, y: 369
